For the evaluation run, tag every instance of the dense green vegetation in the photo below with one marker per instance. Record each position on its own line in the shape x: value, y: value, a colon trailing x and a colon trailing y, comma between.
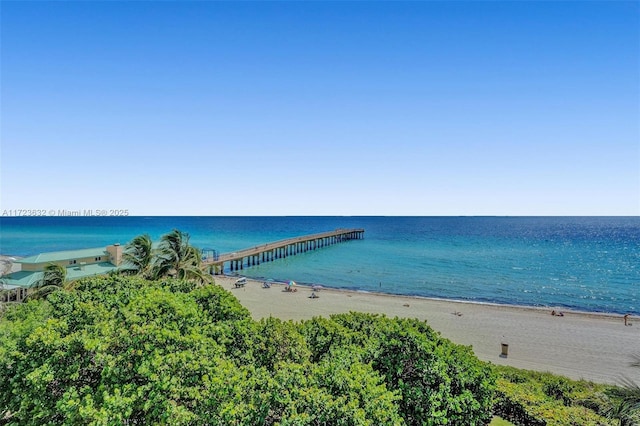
x: 118, y: 350
x: 534, y: 398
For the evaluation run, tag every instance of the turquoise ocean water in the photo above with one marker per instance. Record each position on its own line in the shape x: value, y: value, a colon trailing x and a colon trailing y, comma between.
x: 581, y: 263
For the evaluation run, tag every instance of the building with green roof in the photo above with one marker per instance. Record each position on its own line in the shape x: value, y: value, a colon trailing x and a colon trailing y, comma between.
x: 110, y: 254
x: 78, y: 263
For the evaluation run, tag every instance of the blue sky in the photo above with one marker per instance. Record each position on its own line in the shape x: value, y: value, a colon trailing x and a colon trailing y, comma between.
x: 321, y: 108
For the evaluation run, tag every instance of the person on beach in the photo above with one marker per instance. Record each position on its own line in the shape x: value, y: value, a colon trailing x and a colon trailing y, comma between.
x: 626, y: 320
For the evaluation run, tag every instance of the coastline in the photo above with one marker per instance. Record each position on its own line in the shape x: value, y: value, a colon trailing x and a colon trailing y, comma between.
x: 580, y: 345
x: 587, y: 345
x: 581, y: 263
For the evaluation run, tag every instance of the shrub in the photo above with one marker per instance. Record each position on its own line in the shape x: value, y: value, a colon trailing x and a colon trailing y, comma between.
x: 533, y: 398
x: 439, y: 382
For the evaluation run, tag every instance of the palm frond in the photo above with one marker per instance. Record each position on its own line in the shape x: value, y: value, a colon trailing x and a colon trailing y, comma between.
x: 177, y: 258
x: 625, y: 400
x: 138, y: 254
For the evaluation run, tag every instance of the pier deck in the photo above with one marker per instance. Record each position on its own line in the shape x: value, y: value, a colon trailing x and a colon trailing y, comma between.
x: 280, y: 249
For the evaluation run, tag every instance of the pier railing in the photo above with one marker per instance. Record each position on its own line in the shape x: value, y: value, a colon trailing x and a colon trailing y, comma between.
x: 237, y: 260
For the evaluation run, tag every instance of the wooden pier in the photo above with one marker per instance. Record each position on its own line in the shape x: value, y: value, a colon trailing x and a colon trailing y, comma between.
x: 280, y: 249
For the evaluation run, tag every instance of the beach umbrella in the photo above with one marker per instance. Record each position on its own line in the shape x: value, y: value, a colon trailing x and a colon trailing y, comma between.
x: 292, y: 283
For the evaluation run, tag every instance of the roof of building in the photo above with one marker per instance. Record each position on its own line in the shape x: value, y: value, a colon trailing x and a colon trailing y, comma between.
x: 27, y: 278
x: 21, y: 279
x: 57, y: 256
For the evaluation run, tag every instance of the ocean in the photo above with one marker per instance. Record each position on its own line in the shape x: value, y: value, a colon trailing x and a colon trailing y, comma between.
x: 580, y: 263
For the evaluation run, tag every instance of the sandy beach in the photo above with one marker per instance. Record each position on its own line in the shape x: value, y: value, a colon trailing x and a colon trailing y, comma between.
x: 596, y: 347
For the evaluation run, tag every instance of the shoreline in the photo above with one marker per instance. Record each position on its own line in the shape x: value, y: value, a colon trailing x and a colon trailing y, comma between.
x: 8, y: 265
x: 579, y: 345
x: 544, y: 309
x: 564, y: 309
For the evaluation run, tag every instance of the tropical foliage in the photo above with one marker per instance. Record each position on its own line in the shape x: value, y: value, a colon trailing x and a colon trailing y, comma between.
x: 177, y: 258
x: 625, y: 401
x: 530, y: 398
x: 120, y: 350
x: 54, y: 277
x: 174, y: 258
x: 138, y: 255
x: 438, y: 382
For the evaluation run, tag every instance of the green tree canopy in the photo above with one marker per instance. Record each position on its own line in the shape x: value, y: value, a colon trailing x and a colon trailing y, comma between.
x: 119, y: 349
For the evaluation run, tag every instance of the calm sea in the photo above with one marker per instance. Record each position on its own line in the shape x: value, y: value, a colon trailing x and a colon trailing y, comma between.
x: 582, y: 263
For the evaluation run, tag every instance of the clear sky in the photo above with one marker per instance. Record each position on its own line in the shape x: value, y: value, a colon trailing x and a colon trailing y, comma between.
x: 321, y: 108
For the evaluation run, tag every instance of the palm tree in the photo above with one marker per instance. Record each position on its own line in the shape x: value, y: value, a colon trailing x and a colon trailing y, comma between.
x: 177, y: 258
x: 53, y: 279
x: 138, y: 255
x: 626, y: 405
